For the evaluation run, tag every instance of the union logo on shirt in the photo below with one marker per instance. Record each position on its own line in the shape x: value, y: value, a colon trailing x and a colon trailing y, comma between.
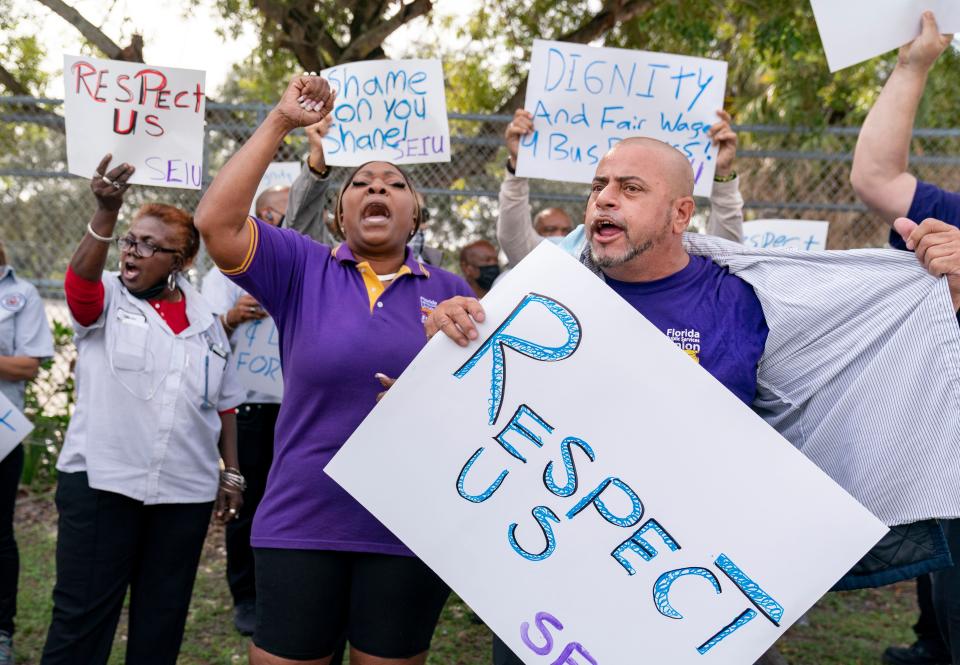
x: 426, y: 308
x: 688, y: 340
x: 13, y: 302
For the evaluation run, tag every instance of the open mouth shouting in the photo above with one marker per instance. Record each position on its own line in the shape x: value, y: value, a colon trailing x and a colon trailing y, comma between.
x: 375, y: 213
x: 605, y: 230
x: 129, y: 270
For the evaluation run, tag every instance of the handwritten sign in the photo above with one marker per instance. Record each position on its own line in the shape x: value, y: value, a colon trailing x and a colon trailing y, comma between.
x: 585, y: 99
x: 388, y: 110
x: 587, y: 489
x: 150, y: 117
x: 856, y: 30
x: 278, y: 174
x: 256, y: 357
x: 14, y: 426
x: 785, y: 234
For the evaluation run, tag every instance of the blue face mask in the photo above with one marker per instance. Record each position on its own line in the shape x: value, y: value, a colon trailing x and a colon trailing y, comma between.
x: 556, y: 240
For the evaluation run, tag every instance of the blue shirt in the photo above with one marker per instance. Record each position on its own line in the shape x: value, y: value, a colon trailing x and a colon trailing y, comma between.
x: 930, y: 201
x: 713, y: 316
x: 24, y: 330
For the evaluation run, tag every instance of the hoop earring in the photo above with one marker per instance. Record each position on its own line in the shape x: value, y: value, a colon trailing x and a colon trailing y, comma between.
x: 172, y: 281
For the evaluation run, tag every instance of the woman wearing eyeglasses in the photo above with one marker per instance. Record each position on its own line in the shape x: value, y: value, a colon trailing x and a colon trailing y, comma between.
x: 155, y: 414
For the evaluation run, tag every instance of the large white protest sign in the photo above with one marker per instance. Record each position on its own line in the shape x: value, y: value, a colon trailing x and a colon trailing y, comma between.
x: 150, y: 117
x: 256, y: 356
x: 588, y: 489
x: 585, y: 99
x: 785, y: 234
x: 14, y: 426
x: 390, y: 110
x: 278, y: 174
x: 856, y: 30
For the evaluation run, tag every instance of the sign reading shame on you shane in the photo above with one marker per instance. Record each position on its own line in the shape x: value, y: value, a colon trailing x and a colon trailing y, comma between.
x: 150, y: 117
x: 584, y: 99
x: 388, y: 110
x: 591, y: 492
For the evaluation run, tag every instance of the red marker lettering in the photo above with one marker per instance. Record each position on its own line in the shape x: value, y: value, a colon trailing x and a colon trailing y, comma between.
x: 82, y: 70
x: 176, y: 100
x: 131, y: 125
x: 199, y: 96
x: 123, y: 78
x: 159, y: 82
x: 155, y: 122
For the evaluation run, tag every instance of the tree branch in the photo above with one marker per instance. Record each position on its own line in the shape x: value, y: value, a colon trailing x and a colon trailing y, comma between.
x: 12, y: 84
x: 361, y: 47
x: 612, y: 13
x: 90, y: 32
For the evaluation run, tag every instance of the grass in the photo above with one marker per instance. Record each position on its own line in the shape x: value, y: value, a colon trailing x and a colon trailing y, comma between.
x: 851, y: 628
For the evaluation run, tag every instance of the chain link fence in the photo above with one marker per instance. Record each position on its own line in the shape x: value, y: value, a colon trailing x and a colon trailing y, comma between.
x: 785, y: 172
x: 790, y: 173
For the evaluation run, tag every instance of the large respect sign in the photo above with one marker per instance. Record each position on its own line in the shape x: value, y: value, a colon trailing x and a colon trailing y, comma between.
x: 390, y: 110
x: 593, y: 494
x: 150, y: 117
x: 585, y: 99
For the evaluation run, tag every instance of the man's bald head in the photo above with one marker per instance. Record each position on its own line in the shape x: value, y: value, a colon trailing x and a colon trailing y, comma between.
x: 675, y: 167
x: 271, y: 205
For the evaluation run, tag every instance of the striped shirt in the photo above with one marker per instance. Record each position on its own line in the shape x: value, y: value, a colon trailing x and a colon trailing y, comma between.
x: 861, y: 369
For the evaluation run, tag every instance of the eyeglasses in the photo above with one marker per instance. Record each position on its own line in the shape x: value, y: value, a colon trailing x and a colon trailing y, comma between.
x: 141, y: 248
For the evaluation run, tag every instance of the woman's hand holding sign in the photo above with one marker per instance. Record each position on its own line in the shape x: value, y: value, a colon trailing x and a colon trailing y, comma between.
x: 455, y: 317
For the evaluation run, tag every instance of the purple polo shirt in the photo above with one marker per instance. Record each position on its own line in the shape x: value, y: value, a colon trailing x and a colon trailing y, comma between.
x: 713, y: 316
x: 335, y: 334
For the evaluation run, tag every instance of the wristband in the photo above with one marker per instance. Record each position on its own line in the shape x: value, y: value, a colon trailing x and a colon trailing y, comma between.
x: 725, y: 178
x: 97, y: 236
x: 320, y: 174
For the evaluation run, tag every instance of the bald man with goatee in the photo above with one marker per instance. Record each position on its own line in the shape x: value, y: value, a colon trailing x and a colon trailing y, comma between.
x: 821, y: 314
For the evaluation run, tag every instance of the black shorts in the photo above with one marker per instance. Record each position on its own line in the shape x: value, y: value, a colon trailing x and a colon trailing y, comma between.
x: 309, y: 600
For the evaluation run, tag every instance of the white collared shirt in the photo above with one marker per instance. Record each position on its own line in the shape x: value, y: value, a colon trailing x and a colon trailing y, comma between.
x: 24, y: 330
x: 147, y: 422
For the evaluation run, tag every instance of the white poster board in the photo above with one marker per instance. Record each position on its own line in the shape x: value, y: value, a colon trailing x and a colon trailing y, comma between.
x: 785, y: 234
x: 14, y: 426
x: 278, y: 174
x: 596, y: 491
x: 256, y: 357
x: 856, y: 30
x: 389, y: 110
x: 584, y: 99
x: 148, y: 116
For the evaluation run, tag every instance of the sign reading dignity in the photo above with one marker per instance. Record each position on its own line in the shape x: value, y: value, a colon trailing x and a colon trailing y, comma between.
x: 585, y: 99
x: 594, y: 494
x: 150, y: 117
x: 14, y: 426
x: 785, y: 234
x: 389, y: 110
x: 856, y: 30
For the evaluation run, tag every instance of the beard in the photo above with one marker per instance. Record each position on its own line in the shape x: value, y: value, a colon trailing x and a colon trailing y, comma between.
x: 634, y: 248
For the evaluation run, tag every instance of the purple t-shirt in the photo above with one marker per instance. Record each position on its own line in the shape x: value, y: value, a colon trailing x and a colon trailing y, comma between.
x: 715, y: 317
x: 332, y: 342
x: 930, y: 201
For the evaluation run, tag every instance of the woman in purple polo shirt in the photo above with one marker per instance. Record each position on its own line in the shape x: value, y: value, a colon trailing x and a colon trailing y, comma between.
x: 325, y: 567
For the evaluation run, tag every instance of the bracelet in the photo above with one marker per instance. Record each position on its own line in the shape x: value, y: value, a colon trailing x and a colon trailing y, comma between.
x: 97, y: 236
x: 725, y: 178
x: 320, y: 174
x: 226, y: 324
x: 232, y: 481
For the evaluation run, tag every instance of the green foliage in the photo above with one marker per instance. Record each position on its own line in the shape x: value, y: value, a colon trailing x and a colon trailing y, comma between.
x: 48, y: 403
x: 21, y: 53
